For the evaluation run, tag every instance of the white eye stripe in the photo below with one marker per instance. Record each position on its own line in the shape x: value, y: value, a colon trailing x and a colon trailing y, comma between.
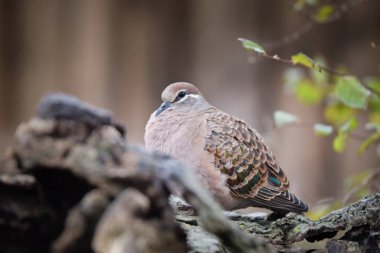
x: 196, y: 96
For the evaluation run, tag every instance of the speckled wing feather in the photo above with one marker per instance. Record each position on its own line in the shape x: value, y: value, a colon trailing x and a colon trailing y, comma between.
x: 252, y: 170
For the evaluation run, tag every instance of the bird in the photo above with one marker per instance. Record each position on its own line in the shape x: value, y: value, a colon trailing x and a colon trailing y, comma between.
x: 228, y: 157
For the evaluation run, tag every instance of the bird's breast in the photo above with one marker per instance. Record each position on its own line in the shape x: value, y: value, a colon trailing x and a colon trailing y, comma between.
x: 175, y: 134
x: 184, y: 139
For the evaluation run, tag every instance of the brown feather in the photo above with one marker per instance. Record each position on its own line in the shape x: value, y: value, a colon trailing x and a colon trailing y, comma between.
x: 247, y: 161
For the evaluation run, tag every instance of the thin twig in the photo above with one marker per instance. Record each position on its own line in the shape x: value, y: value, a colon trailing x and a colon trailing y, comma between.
x: 309, y: 125
x: 310, y: 23
x: 365, y: 182
x: 316, y: 66
x: 293, y: 37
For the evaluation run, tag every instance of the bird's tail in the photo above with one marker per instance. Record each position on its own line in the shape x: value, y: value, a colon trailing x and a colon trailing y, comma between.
x: 284, y: 203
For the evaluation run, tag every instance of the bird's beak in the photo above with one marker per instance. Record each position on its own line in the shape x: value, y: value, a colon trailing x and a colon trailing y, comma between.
x: 163, y: 107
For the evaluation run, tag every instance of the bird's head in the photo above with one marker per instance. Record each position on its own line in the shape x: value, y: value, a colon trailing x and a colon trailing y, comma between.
x: 179, y: 95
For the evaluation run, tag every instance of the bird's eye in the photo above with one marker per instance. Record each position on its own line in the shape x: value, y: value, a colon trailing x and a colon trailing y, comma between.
x: 181, y: 94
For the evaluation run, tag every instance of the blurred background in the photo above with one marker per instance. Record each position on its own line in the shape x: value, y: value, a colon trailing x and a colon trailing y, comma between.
x: 121, y: 54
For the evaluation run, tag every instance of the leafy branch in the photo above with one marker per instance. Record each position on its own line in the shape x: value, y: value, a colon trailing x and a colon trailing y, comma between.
x: 297, y: 59
x: 350, y: 105
x: 344, y: 98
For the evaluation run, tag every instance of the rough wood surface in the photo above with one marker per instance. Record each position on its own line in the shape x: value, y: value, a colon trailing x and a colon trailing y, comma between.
x: 71, y: 183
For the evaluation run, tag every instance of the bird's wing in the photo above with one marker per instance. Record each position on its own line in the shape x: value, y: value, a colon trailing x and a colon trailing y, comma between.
x: 241, y: 154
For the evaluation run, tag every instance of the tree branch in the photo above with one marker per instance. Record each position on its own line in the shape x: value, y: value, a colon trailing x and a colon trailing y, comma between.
x: 72, y: 184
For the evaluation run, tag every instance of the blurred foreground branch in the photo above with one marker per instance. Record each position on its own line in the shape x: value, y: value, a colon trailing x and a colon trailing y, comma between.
x: 72, y: 184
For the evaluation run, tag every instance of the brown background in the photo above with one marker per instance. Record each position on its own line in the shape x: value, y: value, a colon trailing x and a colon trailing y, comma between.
x: 121, y: 54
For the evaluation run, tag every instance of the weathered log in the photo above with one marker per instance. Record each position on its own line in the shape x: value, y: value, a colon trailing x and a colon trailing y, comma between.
x: 71, y: 183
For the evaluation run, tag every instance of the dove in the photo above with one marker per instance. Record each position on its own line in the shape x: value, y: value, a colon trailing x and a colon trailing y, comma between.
x: 228, y: 157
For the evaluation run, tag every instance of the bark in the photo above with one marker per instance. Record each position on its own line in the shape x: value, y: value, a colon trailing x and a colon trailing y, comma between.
x: 71, y: 183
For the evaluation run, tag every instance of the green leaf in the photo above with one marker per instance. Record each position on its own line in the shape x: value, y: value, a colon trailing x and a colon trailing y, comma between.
x: 339, y: 143
x: 324, y: 13
x: 368, y: 142
x: 374, y: 102
x: 338, y: 114
x: 303, y: 59
x: 350, y: 125
x: 308, y: 93
x: 374, y: 117
x: 251, y: 45
x: 373, y: 83
x: 340, y: 140
x: 351, y: 92
x: 282, y: 118
x: 322, y: 130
